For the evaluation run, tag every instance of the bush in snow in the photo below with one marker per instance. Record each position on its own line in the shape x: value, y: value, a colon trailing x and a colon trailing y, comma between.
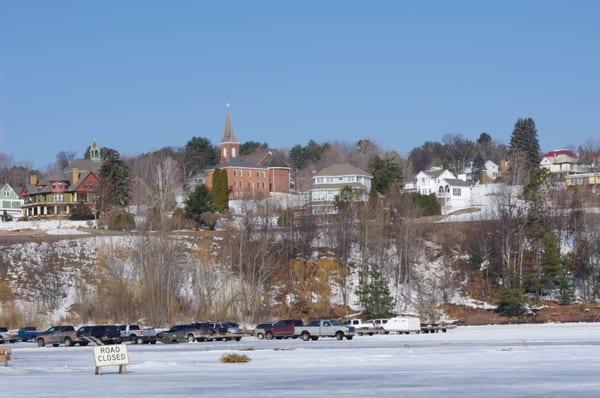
x: 235, y: 358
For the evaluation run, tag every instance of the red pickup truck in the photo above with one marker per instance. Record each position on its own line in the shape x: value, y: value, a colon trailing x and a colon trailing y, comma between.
x: 284, y: 328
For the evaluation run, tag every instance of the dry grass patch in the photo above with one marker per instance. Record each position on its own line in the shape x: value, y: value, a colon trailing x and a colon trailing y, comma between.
x: 235, y: 358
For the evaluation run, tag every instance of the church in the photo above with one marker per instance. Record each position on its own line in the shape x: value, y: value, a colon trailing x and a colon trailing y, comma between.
x: 251, y: 176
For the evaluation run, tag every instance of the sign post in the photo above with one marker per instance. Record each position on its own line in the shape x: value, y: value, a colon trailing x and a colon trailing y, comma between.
x: 5, y: 355
x: 111, y: 355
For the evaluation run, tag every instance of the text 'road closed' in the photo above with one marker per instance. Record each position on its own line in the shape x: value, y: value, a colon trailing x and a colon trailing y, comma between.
x: 111, y: 355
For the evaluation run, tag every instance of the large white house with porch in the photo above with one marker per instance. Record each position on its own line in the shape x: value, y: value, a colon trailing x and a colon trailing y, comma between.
x: 453, y: 194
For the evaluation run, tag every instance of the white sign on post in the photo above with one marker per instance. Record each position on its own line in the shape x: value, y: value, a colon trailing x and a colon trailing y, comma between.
x: 111, y: 355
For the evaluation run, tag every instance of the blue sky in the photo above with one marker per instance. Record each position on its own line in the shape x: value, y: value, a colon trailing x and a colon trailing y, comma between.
x: 139, y: 75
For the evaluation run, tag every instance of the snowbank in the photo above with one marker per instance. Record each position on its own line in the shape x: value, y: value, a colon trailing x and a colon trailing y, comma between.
x: 51, y: 227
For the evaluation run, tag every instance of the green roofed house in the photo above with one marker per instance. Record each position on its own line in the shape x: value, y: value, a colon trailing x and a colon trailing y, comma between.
x: 10, y: 203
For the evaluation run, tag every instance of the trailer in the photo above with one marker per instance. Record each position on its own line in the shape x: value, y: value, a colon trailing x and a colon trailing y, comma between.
x: 436, y: 327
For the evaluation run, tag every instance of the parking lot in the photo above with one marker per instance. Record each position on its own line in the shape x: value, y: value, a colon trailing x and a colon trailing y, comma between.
x: 540, y: 360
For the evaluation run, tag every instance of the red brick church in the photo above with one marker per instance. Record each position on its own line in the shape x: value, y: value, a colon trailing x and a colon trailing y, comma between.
x: 251, y: 176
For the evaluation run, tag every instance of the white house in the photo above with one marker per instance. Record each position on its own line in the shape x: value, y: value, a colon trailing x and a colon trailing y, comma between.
x: 428, y: 181
x: 10, y: 203
x: 490, y: 169
x: 560, y: 161
x: 328, y: 183
x: 452, y: 193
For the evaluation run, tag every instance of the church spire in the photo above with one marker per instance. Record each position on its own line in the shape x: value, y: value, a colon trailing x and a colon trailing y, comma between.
x: 230, y: 147
x: 228, y: 136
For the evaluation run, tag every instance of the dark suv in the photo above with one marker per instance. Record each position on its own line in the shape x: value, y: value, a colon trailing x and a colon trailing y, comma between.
x: 107, y: 334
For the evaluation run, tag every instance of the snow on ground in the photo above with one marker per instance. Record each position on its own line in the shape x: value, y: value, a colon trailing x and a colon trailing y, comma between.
x: 550, y: 360
x: 52, y: 227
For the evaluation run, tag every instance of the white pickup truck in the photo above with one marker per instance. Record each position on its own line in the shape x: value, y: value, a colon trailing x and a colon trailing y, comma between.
x: 364, y: 327
x: 324, y: 328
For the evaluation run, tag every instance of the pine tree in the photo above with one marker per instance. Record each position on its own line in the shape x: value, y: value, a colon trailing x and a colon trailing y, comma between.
x: 220, y: 190
x: 524, y: 143
x: 375, y: 295
x: 114, y: 179
x: 198, y: 203
x: 551, y: 261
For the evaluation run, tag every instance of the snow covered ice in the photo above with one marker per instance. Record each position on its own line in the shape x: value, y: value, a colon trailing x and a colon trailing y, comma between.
x: 551, y: 360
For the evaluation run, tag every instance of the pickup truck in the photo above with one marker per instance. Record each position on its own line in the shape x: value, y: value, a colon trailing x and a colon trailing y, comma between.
x: 28, y: 333
x: 293, y: 328
x: 137, y: 335
x: 324, y: 328
x: 364, y: 327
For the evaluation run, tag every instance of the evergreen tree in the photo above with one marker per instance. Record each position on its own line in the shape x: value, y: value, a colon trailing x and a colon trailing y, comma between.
x: 250, y: 147
x: 551, y: 261
x: 477, y: 168
x: 385, y: 171
x: 114, y: 180
x: 373, y: 198
x: 375, y: 296
x: 198, y: 154
x: 344, y: 199
x: 220, y: 190
x: 524, y: 143
x: 198, y: 203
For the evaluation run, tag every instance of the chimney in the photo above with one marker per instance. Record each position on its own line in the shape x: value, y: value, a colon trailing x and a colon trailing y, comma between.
x: 33, y: 179
x: 74, y: 175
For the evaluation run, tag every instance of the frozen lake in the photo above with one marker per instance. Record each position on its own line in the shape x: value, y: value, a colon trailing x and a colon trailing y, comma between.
x: 553, y: 360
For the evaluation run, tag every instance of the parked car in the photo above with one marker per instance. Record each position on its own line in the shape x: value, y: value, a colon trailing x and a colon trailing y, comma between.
x: 363, y: 327
x: 107, y: 334
x: 259, y: 330
x: 282, y: 329
x: 324, y: 328
x: 137, y: 335
x: 221, y: 330
x: 57, y: 335
x: 403, y: 324
x: 182, y: 333
x: 7, y: 337
x: 28, y: 333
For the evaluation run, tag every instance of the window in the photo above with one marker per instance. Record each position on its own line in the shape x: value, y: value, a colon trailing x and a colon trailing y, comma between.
x: 234, y: 174
x: 263, y: 185
x: 232, y: 152
x: 257, y: 174
x: 249, y: 184
x: 264, y: 174
x: 257, y: 185
x: 456, y: 191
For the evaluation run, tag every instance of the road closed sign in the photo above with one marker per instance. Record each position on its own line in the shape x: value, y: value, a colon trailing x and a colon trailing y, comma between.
x: 111, y: 355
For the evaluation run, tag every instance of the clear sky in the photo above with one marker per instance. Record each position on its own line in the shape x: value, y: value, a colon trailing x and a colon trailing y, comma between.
x: 139, y: 75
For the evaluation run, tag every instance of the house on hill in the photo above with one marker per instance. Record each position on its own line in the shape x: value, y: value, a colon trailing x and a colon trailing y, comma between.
x: 10, y: 203
x: 251, y: 176
x: 329, y: 182
x: 560, y: 161
x: 451, y: 192
x: 55, y: 195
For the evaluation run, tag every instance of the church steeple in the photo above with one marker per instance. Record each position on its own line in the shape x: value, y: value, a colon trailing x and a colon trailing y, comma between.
x: 230, y: 147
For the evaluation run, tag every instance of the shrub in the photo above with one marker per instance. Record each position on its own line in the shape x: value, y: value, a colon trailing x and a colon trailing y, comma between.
x: 81, y: 212
x: 122, y: 222
x: 427, y: 204
x: 512, y: 303
x: 235, y: 358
